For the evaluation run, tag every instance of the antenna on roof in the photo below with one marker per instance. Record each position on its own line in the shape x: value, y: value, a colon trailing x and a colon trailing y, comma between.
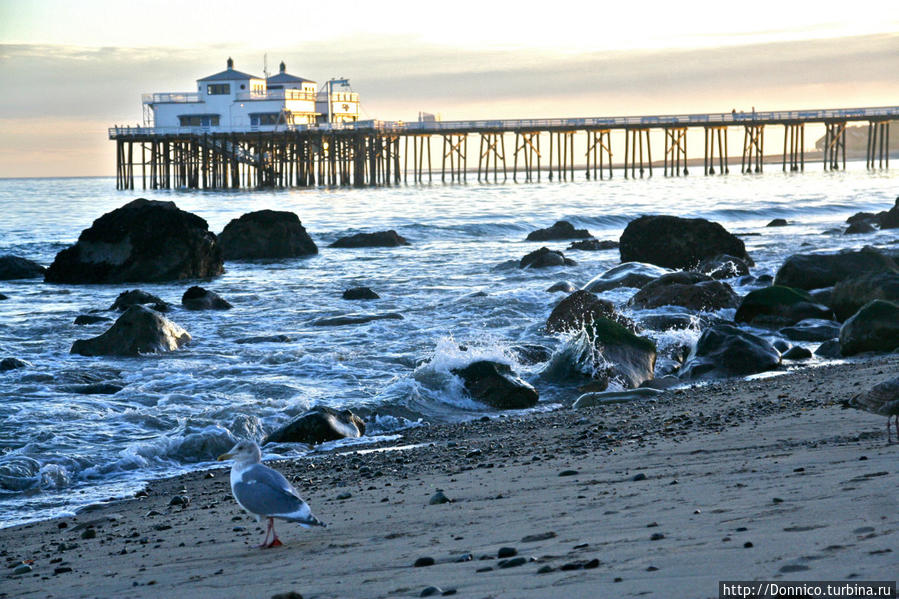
x: 265, y: 65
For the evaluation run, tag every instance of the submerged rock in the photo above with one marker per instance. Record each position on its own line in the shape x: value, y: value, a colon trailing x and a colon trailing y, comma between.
x: 675, y: 242
x: 814, y: 271
x: 724, y: 350
x: 723, y: 266
x: 319, y: 425
x: 691, y: 290
x: 875, y: 327
x: 83, y: 319
x: 266, y: 235
x: 779, y: 306
x: 593, y: 245
x: 629, y: 274
x: 265, y: 339
x: 890, y: 218
x: 561, y: 230
x: 360, y: 293
x: 144, y: 240
x: 136, y: 297
x: 12, y: 364
x: 563, y: 286
x: 777, y: 222
x: 14, y: 267
x: 545, y: 257
x: 138, y: 331
x: 366, y: 240
x: 623, y: 355
x: 859, y: 228
x: 495, y: 384
x: 339, y: 321
x: 197, y: 298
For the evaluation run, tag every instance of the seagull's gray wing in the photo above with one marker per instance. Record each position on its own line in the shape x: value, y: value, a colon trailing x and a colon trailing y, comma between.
x: 264, y: 491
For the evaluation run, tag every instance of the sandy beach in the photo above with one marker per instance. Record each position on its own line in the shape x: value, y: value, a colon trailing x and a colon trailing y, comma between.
x: 759, y: 479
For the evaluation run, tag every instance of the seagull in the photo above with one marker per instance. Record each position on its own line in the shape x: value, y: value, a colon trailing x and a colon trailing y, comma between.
x: 265, y: 493
x: 882, y: 399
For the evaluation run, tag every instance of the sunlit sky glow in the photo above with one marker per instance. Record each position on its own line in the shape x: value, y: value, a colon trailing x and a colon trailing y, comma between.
x: 70, y: 69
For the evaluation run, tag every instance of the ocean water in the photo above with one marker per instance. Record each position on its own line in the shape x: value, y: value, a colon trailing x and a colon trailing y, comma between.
x: 455, y: 285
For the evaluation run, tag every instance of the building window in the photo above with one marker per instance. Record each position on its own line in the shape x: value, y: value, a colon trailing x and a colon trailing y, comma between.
x: 218, y: 89
x: 199, y: 120
x: 266, y: 118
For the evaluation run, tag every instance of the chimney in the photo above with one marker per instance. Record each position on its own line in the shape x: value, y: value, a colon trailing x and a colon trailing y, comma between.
x: 283, y: 67
x: 230, y: 63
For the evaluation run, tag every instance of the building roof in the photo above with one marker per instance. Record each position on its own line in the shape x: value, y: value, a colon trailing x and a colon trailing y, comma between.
x: 229, y: 74
x: 284, y: 77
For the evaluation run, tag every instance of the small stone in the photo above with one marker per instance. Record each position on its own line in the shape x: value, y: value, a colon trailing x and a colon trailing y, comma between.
x: 777, y: 500
x: 747, y: 544
x: 651, y: 569
x: 89, y: 533
x: 697, y: 511
x: 465, y: 557
x: 543, y: 536
x: 209, y: 475
x: 289, y: 595
x: 618, y: 579
x: 62, y: 525
x: 22, y: 569
x: 439, y: 498
x: 182, y: 500
x: 61, y: 570
x: 656, y: 536
x: 487, y: 569
x: 568, y: 473
x: 424, y: 562
x: 344, y: 495
x: 430, y: 591
x: 638, y: 477
x: 506, y: 552
x: 593, y: 563
x: 545, y: 569
x: 652, y: 525
x: 448, y: 592
x: 512, y: 563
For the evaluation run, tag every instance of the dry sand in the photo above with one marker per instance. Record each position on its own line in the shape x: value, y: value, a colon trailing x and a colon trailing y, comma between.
x: 761, y: 479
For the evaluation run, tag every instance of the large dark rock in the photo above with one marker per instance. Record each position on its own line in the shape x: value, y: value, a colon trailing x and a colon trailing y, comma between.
x: 561, y: 230
x: 12, y: 364
x: 862, y: 217
x: 691, y: 290
x: 266, y: 234
x: 578, y: 310
x: 319, y: 425
x: 851, y: 294
x: 890, y: 218
x: 138, y: 297
x: 779, y: 306
x: 545, y: 257
x: 138, y: 331
x: 675, y: 242
x: 495, y: 384
x: 813, y: 271
x: 777, y: 222
x: 14, y: 267
x: 197, y: 298
x: 723, y: 266
x: 366, y: 240
x: 875, y: 327
x: 629, y: 274
x: 623, y: 356
x: 859, y: 228
x: 724, y: 350
x: 144, y: 240
x: 84, y: 319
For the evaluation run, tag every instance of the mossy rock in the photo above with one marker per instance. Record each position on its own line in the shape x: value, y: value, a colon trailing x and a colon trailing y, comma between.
x: 608, y: 332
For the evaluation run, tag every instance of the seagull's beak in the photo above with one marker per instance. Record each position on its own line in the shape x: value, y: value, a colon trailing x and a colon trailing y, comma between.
x: 225, y: 456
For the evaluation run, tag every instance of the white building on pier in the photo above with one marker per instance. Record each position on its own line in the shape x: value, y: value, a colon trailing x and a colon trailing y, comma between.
x: 236, y: 101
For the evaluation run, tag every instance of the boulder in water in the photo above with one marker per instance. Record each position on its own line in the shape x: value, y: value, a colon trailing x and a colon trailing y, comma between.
x: 138, y: 331
x: 723, y: 266
x: 859, y: 228
x: 545, y: 257
x: 83, y: 319
x: 144, y: 240
x: 319, y: 425
x: 339, y: 321
x: 675, y: 242
x: 577, y: 310
x: 360, y: 293
x: 197, y: 298
x: 691, y: 290
x: 724, y: 350
x: 14, y: 267
x: 264, y: 339
x: 563, y: 286
x: 629, y: 274
x: 266, y: 235
x: 851, y: 294
x: 593, y: 245
x: 12, y: 364
x: 814, y: 271
x: 623, y: 355
x: 495, y: 384
x: 366, y: 240
x: 138, y: 297
x: 890, y: 218
x: 779, y: 306
x: 561, y: 230
x: 875, y: 327
x: 777, y: 222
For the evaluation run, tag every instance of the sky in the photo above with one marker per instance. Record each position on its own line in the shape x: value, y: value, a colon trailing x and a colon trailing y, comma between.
x: 72, y: 69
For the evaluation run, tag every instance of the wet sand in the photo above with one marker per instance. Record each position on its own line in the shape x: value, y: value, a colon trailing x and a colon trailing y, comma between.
x: 761, y: 479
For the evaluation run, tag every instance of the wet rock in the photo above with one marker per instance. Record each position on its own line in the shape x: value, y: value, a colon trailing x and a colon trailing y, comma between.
x: 561, y: 230
x: 797, y: 353
x: 15, y: 267
x: 593, y: 245
x: 439, y: 498
x: 144, y: 240
x: 723, y: 266
x: 360, y: 293
x: 724, y: 350
x: 138, y: 331
x: 265, y: 339
x: 138, y: 297
x: 319, y: 425
x: 620, y: 354
x: 564, y: 286
x: 875, y: 327
x: 3, y: 297
x: 589, y: 400
x: 497, y: 386
x: 512, y: 563
x: 94, y: 389
x: 812, y: 329
x: 545, y: 258
x: 675, y: 242
x: 672, y: 322
x: 506, y: 552
x: 851, y: 294
x: 366, y: 240
x: 266, y: 235
x: 861, y: 217
x: 890, y: 218
x: 814, y: 271
x: 424, y: 562
x: 288, y: 595
x: 431, y: 591
x: 22, y: 569
x: 829, y: 350
x: 530, y: 353
x: 691, y: 290
x: 579, y: 309
x: 778, y: 306
x: 197, y: 298
x: 12, y: 364
x: 781, y: 345
x: 629, y: 274
x: 543, y: 536
x: 339, y: 321
x: 859, y: 228
x: 777, y: 222
x: 83, y: 319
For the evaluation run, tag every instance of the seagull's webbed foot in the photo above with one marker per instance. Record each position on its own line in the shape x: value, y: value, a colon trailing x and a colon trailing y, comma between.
x: 276, y: 542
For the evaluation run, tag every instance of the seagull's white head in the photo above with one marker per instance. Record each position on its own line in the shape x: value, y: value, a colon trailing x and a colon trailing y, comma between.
x: 244, y: 451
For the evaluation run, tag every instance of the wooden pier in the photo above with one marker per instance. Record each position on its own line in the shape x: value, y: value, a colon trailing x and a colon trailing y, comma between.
x: 366, y: 153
